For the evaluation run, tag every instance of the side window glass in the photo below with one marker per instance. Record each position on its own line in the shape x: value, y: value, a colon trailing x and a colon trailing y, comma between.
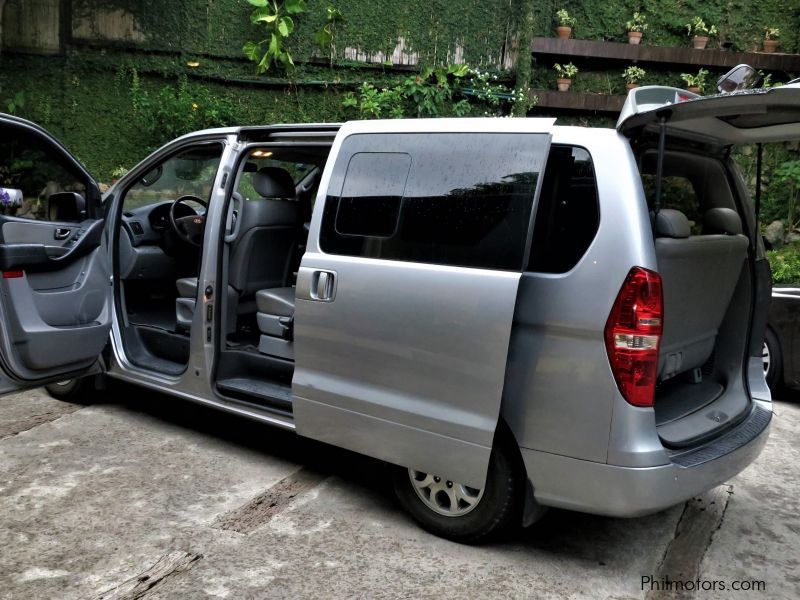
x: 449, y: 199
x: 31, y: 171
x: 373, y: 189
x: 568, y: 214
x: 677, y: 193
x: 191, y: 172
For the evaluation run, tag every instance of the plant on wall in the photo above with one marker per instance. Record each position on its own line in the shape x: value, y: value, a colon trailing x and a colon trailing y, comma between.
x: 565, y: 75
x: 771, y: 35
x: 326, y: 35
x: 12, y: 105
x: 436, y: 92
x: 565, y: 23
x: 174, y: 110
x: 633, y: 75
x: 276, y: 16
x: 700, y: 32
x: 636, y: 27
x: 695, y: 83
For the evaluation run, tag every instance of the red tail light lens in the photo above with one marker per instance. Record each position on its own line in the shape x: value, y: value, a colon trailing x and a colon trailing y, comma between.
x: 12, y: 274
x: 633, y: 335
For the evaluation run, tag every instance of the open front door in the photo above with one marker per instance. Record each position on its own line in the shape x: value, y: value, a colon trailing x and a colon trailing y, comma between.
x: 55, y: 289
x: 406, y: 294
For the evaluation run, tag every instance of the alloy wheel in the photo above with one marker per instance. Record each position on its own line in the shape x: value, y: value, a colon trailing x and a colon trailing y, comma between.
x: 443, y: 496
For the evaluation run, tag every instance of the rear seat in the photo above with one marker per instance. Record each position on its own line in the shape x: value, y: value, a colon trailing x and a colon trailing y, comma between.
x: 699, y: 274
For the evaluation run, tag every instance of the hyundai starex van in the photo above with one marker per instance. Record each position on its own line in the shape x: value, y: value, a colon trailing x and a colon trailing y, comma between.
x: 510, y: 313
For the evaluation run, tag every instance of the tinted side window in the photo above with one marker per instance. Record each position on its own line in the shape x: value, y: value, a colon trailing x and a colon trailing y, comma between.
x: 568, y: 213
x: 373, y: 189
x: 32, y: 170
x: 449, y: 199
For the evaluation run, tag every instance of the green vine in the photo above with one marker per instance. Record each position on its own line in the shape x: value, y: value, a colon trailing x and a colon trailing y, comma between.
x: 455, y: 91
x: 276, y: 17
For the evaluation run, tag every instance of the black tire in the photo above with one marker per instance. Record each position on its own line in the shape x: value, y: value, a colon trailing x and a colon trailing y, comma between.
x: 78, y: 391
x: 774, y: 374
x: 499, y: 509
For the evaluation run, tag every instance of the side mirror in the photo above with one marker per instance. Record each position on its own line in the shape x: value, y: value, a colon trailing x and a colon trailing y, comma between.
x: 67, y: 207
x: 740, y: 77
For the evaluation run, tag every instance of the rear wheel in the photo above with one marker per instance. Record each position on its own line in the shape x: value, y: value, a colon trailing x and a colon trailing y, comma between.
x: 772, y: 359
x: 80, y: 390
x: 462, y: 513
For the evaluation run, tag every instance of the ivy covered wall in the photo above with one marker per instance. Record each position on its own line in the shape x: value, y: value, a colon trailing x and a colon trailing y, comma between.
x: 85, y: 88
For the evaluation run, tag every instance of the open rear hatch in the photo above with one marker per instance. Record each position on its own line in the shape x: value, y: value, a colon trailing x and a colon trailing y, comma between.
x: 708, y: 254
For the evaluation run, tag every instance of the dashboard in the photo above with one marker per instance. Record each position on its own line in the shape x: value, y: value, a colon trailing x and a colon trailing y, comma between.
x: 147, y: 251
x: 148, y: 224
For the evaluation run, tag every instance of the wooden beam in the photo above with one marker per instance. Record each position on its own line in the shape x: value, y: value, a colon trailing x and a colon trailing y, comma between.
x: 578, y: 101
x: 592, y: 49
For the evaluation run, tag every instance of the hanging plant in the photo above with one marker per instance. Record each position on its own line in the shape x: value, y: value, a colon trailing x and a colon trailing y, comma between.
x: 276, y: 17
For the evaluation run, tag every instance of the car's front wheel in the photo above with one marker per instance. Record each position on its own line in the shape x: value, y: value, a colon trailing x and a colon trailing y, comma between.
x: 461, y: 513
x: 772, y: 360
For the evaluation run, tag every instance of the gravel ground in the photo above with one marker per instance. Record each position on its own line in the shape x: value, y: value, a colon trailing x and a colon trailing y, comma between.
x: 141, y: 495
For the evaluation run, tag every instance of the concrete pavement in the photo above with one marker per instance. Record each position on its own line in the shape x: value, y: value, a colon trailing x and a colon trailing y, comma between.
x: 142, y: 495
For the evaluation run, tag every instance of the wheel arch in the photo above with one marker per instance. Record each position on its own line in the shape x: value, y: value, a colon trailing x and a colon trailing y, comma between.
x: 532, y: 511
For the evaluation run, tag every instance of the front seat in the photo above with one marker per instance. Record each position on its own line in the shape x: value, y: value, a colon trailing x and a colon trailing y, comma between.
x: 261, y: 253
x: 276, y: 321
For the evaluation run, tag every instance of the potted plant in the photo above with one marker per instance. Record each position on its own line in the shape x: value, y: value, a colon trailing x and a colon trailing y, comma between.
x: 565, y: 24
x: 695, y: 83
x: 700, y: 32
x: 771, y: 35
x: 565, y: 75
x: 636, y: 28
x: 632, y: 76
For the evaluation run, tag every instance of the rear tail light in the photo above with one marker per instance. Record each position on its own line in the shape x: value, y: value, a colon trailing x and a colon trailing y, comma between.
x: 633, y: 335
x: 12, y: 274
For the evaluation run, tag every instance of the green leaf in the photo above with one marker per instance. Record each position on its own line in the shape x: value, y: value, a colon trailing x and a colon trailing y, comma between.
x: 274, y: 46
x: 285, y: 26
x: 324, y: 38
x: 263, y: 66
x: 252, y: 51
x: 259, y: 3
x: 295, y: 7
x: 458, y: 70
x: 263, y: 15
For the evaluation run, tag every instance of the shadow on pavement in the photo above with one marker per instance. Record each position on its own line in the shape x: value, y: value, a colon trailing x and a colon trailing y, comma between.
x: 559, y: 532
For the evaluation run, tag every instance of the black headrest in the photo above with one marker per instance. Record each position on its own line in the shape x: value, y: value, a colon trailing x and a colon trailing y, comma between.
x: 722, y: 220
x: 274, y: 182
x: 672, y: 224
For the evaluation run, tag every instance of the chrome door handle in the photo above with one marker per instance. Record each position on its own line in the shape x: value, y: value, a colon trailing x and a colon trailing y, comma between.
x: 322, y: 286
x: 316, y: 284
x: 61, y: 233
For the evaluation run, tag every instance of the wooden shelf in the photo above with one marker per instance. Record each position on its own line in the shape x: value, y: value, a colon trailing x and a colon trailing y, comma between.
x: 578, y: 101
x: 592, y: 50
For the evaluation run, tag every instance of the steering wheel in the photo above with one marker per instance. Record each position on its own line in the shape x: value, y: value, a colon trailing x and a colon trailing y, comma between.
x: 191, y: 227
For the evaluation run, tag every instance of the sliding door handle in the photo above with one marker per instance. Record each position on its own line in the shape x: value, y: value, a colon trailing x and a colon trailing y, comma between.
x: 316, y: 284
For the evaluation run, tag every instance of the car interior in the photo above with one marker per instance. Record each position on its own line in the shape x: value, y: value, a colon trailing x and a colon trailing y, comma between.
x: 268, y: 217
x: 701, y: 249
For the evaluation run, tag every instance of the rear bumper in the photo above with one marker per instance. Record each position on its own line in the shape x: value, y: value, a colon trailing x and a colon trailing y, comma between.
x: 609, y: 490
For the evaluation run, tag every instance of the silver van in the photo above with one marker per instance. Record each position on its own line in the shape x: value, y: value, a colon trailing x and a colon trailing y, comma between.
x: 511, y: 313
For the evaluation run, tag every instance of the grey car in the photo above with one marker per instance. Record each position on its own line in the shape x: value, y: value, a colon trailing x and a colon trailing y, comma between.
x: 510, y: 313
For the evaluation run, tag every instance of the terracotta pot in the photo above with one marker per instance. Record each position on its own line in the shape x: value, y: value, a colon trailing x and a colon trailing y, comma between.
x: 634, y: 37
x: 694, y: 89
x: 630, y: 86
x: 699, y: 42
x: 770, y: 45
x: 563, y: 84
x: 564, y: 32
